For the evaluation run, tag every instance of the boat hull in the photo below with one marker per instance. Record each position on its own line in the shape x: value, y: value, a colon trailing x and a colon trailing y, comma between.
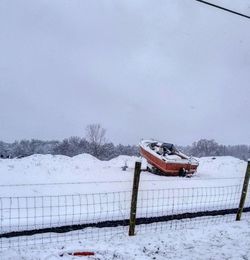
x: 166, y: 167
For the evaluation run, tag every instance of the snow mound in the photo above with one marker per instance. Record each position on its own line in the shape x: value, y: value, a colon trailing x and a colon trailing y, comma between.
x: 86, y: 174
x: 122, y: 160
x: 221, y: 166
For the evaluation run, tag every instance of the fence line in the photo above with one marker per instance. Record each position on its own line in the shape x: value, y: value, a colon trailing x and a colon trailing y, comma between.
x: 115, y: 181
x: 41, y: 220
x: 100, y: 215
x: 124, y: 222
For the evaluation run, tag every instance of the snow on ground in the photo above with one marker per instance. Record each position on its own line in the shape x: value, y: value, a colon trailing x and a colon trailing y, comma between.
x: 94, y: 176
x: 223, y: 241
x: 49, y: 169
x: 104, y: 191
x: 47, y: 175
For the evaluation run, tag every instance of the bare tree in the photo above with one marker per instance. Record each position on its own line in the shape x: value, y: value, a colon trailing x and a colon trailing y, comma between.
x: 206, y: 147
x: 95, y: 134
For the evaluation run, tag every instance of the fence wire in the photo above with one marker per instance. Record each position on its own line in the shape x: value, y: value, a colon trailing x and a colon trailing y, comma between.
x: 41, y: 220
x: 52, y: 218
x: 187, y: 207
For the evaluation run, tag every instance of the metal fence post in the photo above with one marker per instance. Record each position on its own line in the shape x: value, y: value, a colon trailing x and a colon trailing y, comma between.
x: 244, y: 191
x: 132, y: 221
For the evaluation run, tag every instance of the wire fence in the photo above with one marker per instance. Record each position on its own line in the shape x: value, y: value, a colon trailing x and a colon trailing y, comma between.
x: 196, y: 178
x: 41, y: 220
x: 187, y: 207
x: 49, y: 216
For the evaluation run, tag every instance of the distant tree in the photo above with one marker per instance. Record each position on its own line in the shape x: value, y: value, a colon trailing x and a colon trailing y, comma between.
x: 95, y: 134
x: 185, y: 149
x: 108, y: 151
x: 3, y: 151
x: 240, y: 151
x: 96, y: 145
x: 84, y: 146
x: 131, y: 150
x: 73, y: 148
x: 205, y: 147
x: 62, y: 148
x: 22, y: 148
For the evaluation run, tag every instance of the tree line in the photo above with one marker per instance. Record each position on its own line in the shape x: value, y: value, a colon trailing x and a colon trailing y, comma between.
x: 206, y: 147
x: 96, y: 144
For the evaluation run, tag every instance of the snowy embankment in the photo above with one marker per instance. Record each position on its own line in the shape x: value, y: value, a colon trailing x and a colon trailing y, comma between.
x: 104, y: 176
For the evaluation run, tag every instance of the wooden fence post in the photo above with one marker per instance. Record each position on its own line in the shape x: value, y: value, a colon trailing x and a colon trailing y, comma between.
x: 244, y: 191
x: 132, y: 221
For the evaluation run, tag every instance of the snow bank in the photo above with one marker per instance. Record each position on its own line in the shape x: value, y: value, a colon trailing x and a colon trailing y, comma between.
x: 221, y: 166
x: 105, y: 176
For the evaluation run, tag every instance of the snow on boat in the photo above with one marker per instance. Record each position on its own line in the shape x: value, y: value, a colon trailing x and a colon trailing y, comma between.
x: 166, y: 159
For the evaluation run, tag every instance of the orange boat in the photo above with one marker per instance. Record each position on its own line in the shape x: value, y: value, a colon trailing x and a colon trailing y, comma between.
x: 166, y: 159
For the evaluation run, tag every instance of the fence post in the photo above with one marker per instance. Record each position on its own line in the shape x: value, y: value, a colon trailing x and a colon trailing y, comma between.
x: 132, y: 220
x: 244, y: 191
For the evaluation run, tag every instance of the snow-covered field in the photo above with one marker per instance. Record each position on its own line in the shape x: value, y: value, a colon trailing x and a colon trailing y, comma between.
x: 54, y: 186
x: 39, y: 181
x: 104, y: 176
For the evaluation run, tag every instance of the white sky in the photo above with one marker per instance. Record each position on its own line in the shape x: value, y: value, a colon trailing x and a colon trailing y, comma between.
x: 174, y: 70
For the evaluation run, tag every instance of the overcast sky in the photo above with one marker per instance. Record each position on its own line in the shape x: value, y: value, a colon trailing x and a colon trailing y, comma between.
x: 174, y: 70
